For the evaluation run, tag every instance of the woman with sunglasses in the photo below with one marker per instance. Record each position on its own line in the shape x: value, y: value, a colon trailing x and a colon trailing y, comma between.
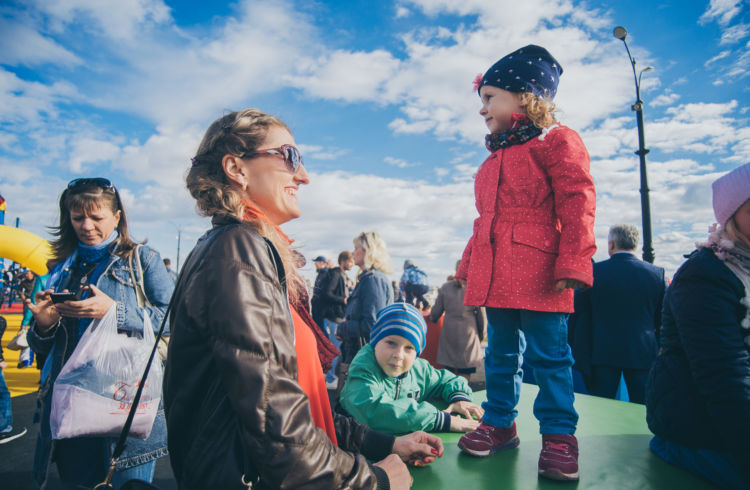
x: 92, y: 252
x: 244, y: 391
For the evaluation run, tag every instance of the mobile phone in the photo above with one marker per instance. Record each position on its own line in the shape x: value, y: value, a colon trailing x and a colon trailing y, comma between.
x: 60, y: 297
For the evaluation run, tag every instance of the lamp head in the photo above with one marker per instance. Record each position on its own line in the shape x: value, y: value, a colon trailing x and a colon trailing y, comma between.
x: 648, y: 68
x: 620, y: 33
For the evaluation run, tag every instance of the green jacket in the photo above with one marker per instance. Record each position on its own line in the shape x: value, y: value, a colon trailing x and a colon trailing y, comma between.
x: 398, y: 405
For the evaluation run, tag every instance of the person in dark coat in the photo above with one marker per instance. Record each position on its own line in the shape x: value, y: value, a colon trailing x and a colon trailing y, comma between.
x: 321, y: 272
x: 698, y: 392
x: 624, y: 313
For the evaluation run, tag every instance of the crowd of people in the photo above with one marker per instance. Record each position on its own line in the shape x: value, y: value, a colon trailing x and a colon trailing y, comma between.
x: 261, y: 378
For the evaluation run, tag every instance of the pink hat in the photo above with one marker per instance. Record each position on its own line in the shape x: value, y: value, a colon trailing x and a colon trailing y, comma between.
x: 730, y: 191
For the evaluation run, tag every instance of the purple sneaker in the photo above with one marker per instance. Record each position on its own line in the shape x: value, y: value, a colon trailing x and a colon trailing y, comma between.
x: 559, y: 457
x: 486, y: 440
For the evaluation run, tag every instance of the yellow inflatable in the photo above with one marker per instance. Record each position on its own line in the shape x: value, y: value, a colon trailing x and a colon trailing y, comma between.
x: 26, y: 248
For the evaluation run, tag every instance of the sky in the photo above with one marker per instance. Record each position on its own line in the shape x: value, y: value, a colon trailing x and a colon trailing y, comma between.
x: 379, y: 98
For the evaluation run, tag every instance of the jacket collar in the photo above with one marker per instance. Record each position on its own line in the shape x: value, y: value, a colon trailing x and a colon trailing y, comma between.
x: 624, y: 256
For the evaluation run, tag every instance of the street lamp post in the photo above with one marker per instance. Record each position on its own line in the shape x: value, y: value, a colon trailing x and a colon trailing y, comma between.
x: 648, y: 249
x: 179, y: 238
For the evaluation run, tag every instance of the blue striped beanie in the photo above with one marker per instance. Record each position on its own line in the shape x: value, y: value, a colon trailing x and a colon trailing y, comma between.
x: 400, y: 319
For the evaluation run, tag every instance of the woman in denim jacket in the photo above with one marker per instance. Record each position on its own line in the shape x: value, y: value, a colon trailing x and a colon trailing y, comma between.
x: 92, y: 252
x: 372, y: 293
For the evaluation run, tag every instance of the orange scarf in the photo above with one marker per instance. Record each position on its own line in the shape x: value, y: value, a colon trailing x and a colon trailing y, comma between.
x: 310, y: 376
x: 309, y: 372
x: 252, y: 213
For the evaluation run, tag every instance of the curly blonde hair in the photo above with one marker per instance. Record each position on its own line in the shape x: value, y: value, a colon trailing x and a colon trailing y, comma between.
x: 237, y: 133
x: 539, y: 109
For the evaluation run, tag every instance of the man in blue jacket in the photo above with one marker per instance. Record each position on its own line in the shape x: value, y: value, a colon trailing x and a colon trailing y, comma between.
x: 623, y: 310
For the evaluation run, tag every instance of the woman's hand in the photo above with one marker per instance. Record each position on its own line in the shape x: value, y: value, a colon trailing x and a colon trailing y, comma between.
x: 418, y: 448
x: 564, y: 284
x: 398, y: 473
x: 95, y: 306
x: 45, y: 313
x: 467, y: 409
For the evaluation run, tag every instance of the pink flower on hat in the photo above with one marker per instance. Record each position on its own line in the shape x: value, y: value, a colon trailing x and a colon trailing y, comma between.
x: 477, y: 81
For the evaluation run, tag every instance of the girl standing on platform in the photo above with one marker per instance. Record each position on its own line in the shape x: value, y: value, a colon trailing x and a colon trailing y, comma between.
x: 532, y: 245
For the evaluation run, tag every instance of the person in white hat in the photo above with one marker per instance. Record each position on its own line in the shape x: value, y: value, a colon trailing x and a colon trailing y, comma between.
x: 698, y: 395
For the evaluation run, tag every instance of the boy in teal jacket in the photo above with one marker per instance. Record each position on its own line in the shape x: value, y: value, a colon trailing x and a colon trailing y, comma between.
x: 388, y: 384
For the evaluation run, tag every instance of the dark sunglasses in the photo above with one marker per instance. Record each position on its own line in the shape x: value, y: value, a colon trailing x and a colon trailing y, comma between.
x: 90, y: 182
x: 291, y: 155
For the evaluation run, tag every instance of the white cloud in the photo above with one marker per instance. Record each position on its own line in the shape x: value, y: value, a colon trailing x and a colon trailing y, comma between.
x: 720, y: 56
x: 122, y: 21
x: 22, y: 45
x: 163, y: 158
x: 400, y: 163
x: 88, y: 150
x: 734, y: 34
x: 402, y: 12
x: 318, y: 152
x: 665, y: 99
x: 417, y: 220
x: 349, y: 76
x: 721, y: 11
x: 25, y: 103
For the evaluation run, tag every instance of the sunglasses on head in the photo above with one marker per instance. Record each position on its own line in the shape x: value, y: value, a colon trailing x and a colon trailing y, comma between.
x: 291, y: 155
x: 90, y: 182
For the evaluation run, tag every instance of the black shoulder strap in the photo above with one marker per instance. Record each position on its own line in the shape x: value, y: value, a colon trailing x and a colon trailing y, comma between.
x: 120, y: 447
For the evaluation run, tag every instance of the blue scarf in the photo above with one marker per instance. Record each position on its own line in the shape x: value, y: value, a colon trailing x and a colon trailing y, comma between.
x: 89, y: 254
x: 94, y: 253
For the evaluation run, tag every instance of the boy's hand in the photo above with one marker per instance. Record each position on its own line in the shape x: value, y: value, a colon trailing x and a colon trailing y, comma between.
x: 467, y: 409
x: 418, y: 448
x: 460, y: 424
x: 564, y: 284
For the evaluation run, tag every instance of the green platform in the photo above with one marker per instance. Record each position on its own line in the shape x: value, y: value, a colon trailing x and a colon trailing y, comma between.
x: 613, y: 442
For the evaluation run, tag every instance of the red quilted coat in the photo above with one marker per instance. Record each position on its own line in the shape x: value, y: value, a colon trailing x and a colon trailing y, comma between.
x: 536, y: 204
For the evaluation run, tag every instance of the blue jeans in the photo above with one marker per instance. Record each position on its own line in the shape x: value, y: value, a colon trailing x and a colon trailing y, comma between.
x: 543, y: 338
x: 605, y: 381
x: 330, y: 328
x: 85, y: 461
x: 6, y: 415
x: 721, y: 468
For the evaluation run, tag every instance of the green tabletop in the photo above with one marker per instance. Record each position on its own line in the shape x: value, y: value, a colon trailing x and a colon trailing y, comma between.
x: 613, y: 444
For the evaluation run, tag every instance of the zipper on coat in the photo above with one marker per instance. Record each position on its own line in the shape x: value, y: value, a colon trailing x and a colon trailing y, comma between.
x: 398, y: 388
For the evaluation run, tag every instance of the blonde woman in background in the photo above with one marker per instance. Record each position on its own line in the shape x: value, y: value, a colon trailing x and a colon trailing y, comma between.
x: 372, y: 293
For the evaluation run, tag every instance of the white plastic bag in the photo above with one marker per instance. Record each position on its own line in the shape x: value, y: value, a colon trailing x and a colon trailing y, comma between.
x: 94, y: 391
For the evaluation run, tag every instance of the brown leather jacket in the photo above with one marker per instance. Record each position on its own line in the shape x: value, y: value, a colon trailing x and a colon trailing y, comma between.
x: 234, y: 408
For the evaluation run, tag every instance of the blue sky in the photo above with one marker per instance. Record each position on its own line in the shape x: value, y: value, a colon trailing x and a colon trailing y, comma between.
x: 378, y: 95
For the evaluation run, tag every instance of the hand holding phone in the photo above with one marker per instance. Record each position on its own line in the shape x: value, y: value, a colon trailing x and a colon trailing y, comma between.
x: 60, y: 297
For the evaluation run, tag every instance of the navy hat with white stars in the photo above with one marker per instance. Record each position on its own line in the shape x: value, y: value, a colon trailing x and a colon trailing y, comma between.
x: 529, y: 69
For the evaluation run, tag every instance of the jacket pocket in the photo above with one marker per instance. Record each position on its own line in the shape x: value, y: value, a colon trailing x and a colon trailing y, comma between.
x: 534, y: 252
x: 542, y: 237
x: 121, y: 274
